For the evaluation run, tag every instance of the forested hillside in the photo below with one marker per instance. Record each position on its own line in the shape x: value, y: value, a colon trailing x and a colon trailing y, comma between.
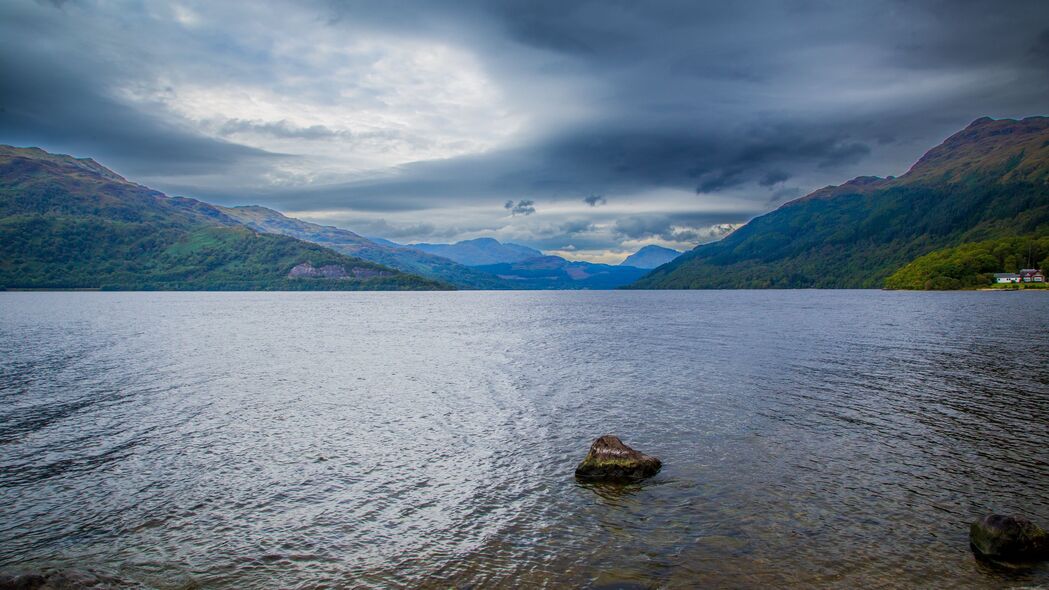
x: 986, y: 181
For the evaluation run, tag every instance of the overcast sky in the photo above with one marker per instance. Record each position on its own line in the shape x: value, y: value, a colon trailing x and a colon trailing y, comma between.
x: 583, y: 128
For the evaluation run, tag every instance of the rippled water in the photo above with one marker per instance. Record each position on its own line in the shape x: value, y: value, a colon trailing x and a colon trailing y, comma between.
x: 302, y: 440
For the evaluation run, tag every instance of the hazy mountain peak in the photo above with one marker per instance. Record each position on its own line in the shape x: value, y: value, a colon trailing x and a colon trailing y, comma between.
x: 480, y: 251
x: 650, y: 256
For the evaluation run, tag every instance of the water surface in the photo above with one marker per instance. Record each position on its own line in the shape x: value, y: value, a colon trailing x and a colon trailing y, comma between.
x: 302, y: 440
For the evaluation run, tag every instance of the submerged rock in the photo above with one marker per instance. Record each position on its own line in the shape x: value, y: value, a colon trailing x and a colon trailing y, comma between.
x: 611, y: 460
x: 1008, y: 538
x: 64, y: 579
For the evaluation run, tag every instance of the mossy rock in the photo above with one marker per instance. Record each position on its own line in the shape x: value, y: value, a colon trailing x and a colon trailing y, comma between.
x: 1008, y: 539
x: 611, y: 460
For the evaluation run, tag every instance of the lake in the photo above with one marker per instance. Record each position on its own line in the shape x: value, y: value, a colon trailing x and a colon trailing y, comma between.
x: 302, y: 440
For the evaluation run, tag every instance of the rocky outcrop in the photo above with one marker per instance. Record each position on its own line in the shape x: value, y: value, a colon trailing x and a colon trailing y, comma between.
x: 1009, y: 539
x: 611, y: 460
x: 334, y: 271
x: 308, y: 271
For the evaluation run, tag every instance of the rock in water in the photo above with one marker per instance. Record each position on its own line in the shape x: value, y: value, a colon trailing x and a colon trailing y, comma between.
x: 70, y: 579
x: 611, y: 460
x: 1008, y: 538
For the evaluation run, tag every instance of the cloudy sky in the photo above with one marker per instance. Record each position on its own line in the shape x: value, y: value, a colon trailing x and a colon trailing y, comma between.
x: 583, y: 128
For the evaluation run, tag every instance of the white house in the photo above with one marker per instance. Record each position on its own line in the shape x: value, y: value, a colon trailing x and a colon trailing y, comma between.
x: 1006, y: 277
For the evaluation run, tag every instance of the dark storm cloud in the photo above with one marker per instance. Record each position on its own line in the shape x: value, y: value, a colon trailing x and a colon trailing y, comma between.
x: 576, y: 226
x: 612, y: 160
x: 669, y: 62
x: 773, y: 177
x: 677, y: 228
x: 522, y: 207
x: 63, y: 102
x: 621, y: 99
x: 1040, y: 50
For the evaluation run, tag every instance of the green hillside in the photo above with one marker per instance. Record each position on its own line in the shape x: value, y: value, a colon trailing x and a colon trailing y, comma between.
x: 990, y: 180
x: 972, y: 265
x: 71, y: 223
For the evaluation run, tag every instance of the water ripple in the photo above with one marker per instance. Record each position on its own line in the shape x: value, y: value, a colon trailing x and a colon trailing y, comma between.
x: 231, y: 440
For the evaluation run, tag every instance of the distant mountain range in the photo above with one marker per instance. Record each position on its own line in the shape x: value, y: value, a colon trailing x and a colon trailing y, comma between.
x: 554, y: 272
x: 403, y: 258
x: 650, y: 257
x: 72, y: 223
x: 480, y: 252
x: 453, y: 263
x: 988, y: 181
x: 976, y: 204
x: 521, y: 267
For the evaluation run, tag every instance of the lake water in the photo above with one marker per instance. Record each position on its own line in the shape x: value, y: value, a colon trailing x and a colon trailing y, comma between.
x: 303, y: 440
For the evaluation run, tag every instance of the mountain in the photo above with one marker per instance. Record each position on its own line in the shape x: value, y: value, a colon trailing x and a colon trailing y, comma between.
x: 72, y: 223
x: 553, y: 272
x: 988, y: 181
x: 385, y: 242
x: 650, y: 256
x: 347, y: 242
x: 482, y: 251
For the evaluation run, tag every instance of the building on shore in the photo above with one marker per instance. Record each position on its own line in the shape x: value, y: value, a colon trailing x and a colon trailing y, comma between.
x: 1006, y: 277
x: 1031, y: 275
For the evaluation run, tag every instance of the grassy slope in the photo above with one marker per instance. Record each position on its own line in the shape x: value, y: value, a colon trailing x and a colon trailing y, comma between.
x: 69, y: 223
x: 987, y: 181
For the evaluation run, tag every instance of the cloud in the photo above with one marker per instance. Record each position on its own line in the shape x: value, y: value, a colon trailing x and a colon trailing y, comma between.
x: 774, y: 177
x: 423, y: 114
x: 784, y: 194
x: 575, y: 227
x: 523, y: 207
x: 64, y: 107
x: 654, y: 226
x: 282, y: 129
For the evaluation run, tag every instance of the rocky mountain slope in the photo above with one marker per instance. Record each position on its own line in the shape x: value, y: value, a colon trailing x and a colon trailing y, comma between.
x: 988, y: 181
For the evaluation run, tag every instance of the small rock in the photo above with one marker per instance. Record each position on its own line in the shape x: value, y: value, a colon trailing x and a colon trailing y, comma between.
x: 1008, y: 538
x: 611, y: 460
x: 62, y: 579
x: 21, y: 581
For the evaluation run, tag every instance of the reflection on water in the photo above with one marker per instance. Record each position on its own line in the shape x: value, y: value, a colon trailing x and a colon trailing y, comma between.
x: 232, y: 440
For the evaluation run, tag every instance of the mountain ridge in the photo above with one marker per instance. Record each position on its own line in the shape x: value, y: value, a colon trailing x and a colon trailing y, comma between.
x: 650, y: 256
x: 554, y: 272
x: 347, y: 242
x: 985, y: 181
x: 70, y: 222
x: 480, y: 251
